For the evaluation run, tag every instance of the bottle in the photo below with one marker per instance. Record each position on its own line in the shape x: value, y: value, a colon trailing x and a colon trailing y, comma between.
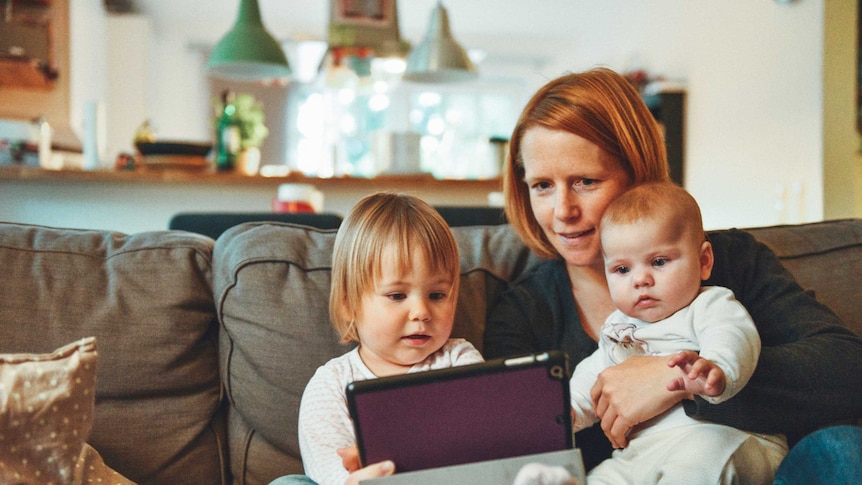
x: 227, y: 134
x: 44, y: 134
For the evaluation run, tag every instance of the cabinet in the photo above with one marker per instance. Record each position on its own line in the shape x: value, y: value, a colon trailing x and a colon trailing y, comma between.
x: 26, y: 54
x: 668, y: 108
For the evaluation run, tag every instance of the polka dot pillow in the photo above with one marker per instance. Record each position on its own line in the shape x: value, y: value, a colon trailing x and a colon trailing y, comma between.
x: 46, y: 414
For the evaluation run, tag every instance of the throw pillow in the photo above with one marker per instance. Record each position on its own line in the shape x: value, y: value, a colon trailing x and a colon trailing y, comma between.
x: 46, y: 413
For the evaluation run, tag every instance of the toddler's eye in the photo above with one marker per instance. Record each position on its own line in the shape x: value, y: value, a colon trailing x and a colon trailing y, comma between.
x: 439, y: 295
x: 659, y: 262
x: 622, y: 270
x: 396, y: 296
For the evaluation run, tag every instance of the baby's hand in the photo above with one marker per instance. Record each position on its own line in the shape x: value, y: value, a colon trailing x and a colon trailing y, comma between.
x: 702, y: 376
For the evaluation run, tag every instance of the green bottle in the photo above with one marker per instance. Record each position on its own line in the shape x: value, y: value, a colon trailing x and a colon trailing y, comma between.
x: 227, y: 134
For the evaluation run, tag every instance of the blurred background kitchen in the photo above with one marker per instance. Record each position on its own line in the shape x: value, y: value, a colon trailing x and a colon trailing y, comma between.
x: 770, y: 89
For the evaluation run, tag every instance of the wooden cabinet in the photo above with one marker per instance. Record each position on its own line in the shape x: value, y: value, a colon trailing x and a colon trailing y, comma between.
x: 26, y: 45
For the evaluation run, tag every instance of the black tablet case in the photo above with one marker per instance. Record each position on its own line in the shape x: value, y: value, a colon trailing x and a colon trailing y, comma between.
x: 497, y: 409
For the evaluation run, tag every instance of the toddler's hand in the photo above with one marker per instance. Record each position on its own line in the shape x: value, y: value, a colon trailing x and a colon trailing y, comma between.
x: 350, y: 460
x: 376, y: 470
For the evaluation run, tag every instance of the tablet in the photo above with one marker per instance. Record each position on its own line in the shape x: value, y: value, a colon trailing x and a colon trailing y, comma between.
x: 496, y: 409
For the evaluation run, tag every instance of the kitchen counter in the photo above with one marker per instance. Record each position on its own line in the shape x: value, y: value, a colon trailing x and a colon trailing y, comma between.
x: 146, y: 199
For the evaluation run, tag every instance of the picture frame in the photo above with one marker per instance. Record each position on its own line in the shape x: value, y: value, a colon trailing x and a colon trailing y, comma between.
x: 369, y: 13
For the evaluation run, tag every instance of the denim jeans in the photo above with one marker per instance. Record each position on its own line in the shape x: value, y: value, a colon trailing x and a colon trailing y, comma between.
x: 830, y: 456
x: 293, y: 480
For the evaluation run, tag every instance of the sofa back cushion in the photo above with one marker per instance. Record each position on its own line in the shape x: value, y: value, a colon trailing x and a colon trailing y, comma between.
x: 147, y: 298
x: 826, y: 258
x: 272, y: 294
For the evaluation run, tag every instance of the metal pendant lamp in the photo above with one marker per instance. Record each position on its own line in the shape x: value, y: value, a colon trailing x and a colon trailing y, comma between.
x: 248, y: 52
x: 439, y: 58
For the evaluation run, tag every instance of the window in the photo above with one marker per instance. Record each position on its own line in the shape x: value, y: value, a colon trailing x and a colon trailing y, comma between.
x: 364, y: 126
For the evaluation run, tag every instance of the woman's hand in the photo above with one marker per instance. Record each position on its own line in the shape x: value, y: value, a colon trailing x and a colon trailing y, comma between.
x: 350, y: 460
x: 630, y: 393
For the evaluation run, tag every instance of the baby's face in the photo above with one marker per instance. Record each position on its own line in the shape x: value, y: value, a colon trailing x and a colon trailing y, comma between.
x: 406, y: 317
x: 653, y: 269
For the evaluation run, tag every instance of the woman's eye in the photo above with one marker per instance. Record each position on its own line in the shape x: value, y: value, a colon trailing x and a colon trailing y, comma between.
x: 539, y: 186
x: 585, y: 184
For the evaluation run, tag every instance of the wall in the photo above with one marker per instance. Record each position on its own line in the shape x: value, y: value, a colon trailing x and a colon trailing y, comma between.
x: 88, y: 70
x: 127, y: 96
x: 842, y: 174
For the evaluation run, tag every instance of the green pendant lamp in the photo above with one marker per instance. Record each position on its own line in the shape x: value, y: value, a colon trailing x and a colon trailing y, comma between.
x: 439, y: 58
x: 248, y: 52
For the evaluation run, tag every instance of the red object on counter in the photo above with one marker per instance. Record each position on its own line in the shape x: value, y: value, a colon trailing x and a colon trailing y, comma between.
x: 292, y: 206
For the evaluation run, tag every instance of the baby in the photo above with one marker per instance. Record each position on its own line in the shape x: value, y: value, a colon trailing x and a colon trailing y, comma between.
x: 656, y: 256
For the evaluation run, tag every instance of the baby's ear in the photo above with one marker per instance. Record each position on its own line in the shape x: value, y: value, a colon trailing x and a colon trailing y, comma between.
x: 707, y: 258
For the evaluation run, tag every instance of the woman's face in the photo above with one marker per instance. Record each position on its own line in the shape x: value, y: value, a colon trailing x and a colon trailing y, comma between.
x: 570, y: 181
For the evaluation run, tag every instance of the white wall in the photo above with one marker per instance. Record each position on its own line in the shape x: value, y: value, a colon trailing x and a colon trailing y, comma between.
x: 88, y: 70
x: 127, y: 96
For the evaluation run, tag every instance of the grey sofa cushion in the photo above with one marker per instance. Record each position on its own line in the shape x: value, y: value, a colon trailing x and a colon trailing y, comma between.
x: 825, y: 257
x: 147, y: 298
x: 272, y: 338
x: 272, y: 286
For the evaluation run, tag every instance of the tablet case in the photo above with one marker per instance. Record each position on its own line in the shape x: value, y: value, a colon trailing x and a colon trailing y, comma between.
x: 497, y: 409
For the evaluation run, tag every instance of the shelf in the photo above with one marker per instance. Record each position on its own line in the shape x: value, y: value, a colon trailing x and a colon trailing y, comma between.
x: 206, y: 177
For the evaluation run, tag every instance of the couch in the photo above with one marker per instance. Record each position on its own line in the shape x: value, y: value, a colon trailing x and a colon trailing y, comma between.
x: 204, y: 347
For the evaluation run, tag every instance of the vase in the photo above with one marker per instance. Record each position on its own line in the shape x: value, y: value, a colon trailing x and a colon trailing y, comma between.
x: 248, y: 161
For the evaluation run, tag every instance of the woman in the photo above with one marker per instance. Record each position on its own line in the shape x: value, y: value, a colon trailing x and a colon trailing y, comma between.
x: 581, y: 141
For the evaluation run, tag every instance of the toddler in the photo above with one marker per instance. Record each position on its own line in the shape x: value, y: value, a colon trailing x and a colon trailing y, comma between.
x: 395, y: 274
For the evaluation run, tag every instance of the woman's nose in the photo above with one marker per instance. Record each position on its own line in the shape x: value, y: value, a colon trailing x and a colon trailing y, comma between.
x: 566, y: 205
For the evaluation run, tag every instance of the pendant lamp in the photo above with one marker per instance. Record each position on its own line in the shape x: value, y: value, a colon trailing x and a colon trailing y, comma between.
x: 439, y: 58
x: 248, y: 52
